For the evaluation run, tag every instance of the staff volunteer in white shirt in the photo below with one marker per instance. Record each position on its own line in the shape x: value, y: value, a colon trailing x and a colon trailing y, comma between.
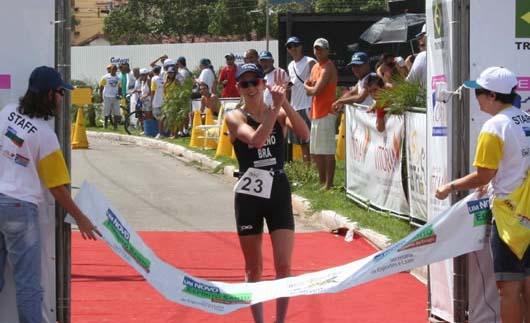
x: 30, y: 158
x: 502, y: 160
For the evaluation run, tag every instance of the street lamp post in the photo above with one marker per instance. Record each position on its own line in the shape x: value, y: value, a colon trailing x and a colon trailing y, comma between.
x: 267, y: 14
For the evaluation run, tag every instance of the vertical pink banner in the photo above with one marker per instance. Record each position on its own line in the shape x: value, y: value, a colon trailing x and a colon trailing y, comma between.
x: 5, y: 81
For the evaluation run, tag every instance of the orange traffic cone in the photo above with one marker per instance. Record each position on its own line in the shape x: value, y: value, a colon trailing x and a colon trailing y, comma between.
x: 195, y: 131
x: 79, y: 139
x: 341, y: 142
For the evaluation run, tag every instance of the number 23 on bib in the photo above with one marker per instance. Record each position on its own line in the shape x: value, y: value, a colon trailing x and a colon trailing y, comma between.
x: 256, y: 182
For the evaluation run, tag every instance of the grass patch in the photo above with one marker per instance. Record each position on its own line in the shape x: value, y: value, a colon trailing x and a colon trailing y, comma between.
x: 304, y: 182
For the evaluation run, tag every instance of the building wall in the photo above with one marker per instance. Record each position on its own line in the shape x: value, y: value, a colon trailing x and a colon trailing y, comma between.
x: 90, y: 14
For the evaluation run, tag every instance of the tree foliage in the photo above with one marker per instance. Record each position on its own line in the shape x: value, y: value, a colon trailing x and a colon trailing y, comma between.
x: 141, y: 21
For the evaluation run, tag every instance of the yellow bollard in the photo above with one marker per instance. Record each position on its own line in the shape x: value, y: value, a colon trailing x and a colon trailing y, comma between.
x: 224, y: 146
x: 341, y: 143
x: 195, y: 131
x: 79, y: 139
x: 297, y: 152
x: 210, y: 143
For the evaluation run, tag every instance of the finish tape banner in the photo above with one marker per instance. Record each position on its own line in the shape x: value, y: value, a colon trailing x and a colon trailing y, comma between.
x: 459, y: 230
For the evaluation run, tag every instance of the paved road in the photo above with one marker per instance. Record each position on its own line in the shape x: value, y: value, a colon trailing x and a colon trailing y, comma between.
x: 157, y: 192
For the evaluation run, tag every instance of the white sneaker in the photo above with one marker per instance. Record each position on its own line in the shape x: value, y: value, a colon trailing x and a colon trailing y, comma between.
x: 157, y: 136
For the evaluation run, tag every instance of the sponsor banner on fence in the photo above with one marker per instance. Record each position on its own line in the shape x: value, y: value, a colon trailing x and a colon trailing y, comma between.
x: 456, y: 231
x: 416, y: 127
x: 373, y: 161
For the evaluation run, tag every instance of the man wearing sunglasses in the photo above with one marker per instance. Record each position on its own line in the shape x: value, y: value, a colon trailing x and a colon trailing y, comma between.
x: 322, y: 86
x: 299, y: 71
x: 30, y: 160
x: 502, y: 160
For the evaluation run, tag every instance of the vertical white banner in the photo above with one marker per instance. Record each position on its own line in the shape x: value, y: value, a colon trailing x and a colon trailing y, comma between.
x: 503, y: 43
x: 373, y: 161
x: 440, y: 54
x: 28, y: 39
x: 416, y: 134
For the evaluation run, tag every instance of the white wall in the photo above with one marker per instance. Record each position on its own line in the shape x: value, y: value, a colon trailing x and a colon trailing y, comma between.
x: 89, y: 62
x: 31, y: 45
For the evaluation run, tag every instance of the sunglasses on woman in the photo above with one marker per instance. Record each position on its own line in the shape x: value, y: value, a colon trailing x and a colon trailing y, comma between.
x: 59, y: 91
x: 247, y: 84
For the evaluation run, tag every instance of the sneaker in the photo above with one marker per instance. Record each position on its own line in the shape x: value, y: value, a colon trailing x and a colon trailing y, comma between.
x: 157, y: 136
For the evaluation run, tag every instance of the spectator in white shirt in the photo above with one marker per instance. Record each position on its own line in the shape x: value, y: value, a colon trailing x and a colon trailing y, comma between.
x: 207, y: 75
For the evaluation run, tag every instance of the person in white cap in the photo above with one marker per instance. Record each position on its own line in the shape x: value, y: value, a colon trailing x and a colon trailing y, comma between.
x: 502, y: 160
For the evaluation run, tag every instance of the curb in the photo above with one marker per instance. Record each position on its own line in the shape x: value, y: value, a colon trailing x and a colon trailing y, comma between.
x: 327, y: 219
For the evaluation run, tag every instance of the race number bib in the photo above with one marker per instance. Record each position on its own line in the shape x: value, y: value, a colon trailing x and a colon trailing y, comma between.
x: 255, y: 182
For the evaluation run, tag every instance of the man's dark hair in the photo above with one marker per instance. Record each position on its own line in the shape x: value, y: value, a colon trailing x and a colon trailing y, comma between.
x: 37, y: 105
x: 501, y: 97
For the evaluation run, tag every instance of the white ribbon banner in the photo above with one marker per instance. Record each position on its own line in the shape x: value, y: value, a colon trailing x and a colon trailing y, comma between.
x: 456, y: 231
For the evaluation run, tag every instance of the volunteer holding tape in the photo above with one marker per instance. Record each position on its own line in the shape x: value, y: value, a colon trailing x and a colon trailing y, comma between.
x: 263, y: 192
x: 30, y: 158
x: 502, y: 160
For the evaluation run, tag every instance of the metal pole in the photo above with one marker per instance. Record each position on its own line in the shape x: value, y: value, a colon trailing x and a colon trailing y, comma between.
x: 460, y: 149
x: 267, y: 23
x: 62, y: 128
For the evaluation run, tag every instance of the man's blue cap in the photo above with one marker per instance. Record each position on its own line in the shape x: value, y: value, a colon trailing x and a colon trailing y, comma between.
x: 293, y: 40
x: 45, y: 78
x: 265, y: 55
x: 249, y: 68
x: 359, y: 58
x: 205, y: 62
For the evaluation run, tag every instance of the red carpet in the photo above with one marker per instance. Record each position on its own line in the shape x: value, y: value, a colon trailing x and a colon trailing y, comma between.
x: 106, y: 289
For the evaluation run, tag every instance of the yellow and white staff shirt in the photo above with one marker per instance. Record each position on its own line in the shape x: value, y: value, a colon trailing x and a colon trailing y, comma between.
x: 157, y: 91
x: 504, y: 144
x: 30, y: 156
x: 110, y: 85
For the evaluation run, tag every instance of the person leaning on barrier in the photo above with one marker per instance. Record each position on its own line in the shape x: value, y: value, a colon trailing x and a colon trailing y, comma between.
x: 374, y: 84
x: 502, y: 159
x: 30, y: 159
x: 360, y: 67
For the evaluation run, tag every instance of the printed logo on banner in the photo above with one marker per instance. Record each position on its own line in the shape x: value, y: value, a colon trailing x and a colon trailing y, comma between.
x: 480, y: 209
x: 439, y: 86
x: 122, y: 235
x: 422, y: 238
x: 387, y: 158
x: 361, y: 140
x: 315, y: 285
x: 522, y: 19
x: 213, y: 293
x: 438, y: 19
